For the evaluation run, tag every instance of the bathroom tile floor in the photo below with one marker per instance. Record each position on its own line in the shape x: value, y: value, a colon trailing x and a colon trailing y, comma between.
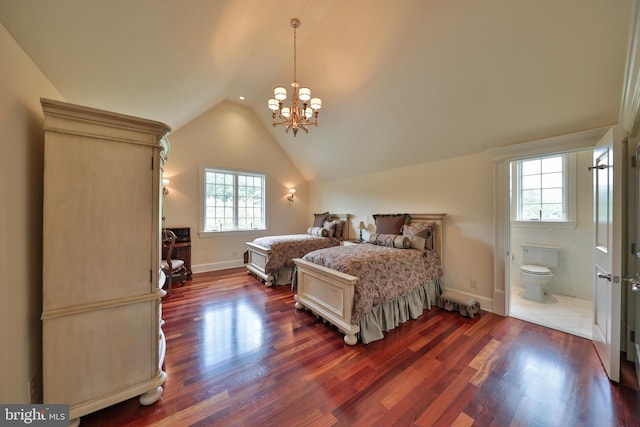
x: 563, y: 313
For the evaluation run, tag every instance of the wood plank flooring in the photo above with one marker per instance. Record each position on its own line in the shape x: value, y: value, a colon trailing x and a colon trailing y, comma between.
x: 239, y: 354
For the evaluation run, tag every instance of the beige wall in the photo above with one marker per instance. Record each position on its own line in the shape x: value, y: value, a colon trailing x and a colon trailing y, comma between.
x: 230, y: 136
x: 21, y: 86
x: 461, y: 187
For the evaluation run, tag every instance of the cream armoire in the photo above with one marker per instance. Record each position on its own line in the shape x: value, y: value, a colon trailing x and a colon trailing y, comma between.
x: 101, y: 314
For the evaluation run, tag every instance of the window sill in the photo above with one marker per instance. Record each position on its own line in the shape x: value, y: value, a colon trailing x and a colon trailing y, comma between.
x: 567, y: 225
x: 206, y: 234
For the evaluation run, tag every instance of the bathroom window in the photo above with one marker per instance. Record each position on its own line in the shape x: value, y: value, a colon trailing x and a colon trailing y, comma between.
x: 543, y: 189
x: 232, y: 201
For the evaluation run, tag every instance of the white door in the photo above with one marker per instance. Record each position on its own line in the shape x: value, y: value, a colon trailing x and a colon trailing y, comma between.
x: 607, y: 255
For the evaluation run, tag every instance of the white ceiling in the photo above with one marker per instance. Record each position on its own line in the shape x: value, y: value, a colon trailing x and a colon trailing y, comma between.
x: 403, y: 82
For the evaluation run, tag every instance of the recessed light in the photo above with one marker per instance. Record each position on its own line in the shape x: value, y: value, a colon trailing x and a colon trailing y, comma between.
x: 241, y: 98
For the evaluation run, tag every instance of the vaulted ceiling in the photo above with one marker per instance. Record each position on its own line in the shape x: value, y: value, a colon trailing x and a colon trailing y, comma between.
x: 402, y: 82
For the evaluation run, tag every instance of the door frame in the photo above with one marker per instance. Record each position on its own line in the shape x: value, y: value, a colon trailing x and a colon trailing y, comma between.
x: 630, y: 123
x: 502, y: 157
x: 629, y: 120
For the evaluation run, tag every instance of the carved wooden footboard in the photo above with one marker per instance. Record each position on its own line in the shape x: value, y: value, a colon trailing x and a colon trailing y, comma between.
x: 257, y: 260
x: 328, y: 294
x: 258, y: 257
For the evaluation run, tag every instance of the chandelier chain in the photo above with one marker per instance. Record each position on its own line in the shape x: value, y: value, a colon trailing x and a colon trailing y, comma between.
x: 294, y: 53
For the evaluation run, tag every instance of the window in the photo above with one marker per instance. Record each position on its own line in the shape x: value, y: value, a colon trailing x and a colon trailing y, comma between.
x: 233, y: 201
x: 544, y: 189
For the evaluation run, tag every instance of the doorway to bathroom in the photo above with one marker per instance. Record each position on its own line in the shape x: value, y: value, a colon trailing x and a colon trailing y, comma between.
x: 551, y: 206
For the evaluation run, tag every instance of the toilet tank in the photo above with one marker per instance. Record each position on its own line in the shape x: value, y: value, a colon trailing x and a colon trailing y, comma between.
x: 539, y: 254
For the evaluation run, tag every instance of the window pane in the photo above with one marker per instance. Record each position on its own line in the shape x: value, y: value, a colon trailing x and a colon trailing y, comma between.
x: 552, y: 164
x: 531, y: 196
x: 530, y: 182
x: 530, y: 212
x: 550, y: 180
x: 552, y: 196
x: 530, y: 167
x: 552, y: 212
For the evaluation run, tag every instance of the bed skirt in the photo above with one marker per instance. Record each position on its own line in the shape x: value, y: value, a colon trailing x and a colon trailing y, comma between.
x: 283, y: 276
x: 388, y: 315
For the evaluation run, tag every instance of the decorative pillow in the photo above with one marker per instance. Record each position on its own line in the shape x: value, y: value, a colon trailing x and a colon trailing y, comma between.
x: 330, y: 226
x: 340, y: 228
x: 390, y: 224
x: 319, y: 219
x: 318, y: 231
x: 420, y: 234
x: 336, y: 227
x: 391, y: 240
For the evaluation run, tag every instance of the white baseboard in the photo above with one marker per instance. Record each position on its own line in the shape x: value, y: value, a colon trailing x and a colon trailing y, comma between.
x: 485, y: 303
x: 214, y: 266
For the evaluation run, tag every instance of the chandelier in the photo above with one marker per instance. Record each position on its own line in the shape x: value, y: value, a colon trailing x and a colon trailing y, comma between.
x: 303, y: 110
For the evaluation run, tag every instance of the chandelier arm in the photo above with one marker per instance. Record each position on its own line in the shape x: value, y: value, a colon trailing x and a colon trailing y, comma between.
x: 283, y: 122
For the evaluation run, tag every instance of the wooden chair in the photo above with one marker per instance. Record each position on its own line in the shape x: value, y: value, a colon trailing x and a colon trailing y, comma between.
x: 169, y: 265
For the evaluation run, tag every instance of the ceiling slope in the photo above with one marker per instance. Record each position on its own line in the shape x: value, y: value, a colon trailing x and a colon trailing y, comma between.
x: 402, y: 82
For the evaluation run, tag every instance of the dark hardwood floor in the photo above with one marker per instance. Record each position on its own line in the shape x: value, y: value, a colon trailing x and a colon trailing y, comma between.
x: 239, y: 354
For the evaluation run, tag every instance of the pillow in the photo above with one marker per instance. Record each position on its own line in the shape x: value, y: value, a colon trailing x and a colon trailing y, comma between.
x: 319, y: 219
x: 340, y: 228
x: 330, y: 226
x: 420, y: 234
x: 391, y: 240
x: 390, y: 224
x: 335, y: 226
x: 318, y: 231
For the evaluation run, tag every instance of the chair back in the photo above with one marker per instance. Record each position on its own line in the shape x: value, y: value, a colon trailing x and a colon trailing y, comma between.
x: 168, y: 242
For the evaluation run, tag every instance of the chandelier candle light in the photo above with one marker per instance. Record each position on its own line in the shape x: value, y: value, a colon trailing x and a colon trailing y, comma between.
x: 303, y: 110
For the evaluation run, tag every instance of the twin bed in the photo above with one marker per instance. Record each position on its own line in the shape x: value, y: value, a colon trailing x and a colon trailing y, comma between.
x: 366, y: 289
x: 270, y: 258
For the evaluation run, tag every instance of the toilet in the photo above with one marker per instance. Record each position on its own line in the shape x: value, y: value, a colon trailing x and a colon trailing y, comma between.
x: 536, y: 273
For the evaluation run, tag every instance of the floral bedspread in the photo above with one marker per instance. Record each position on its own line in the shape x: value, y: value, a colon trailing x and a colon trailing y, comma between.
x: 285, y: 248
x: 385, y: 273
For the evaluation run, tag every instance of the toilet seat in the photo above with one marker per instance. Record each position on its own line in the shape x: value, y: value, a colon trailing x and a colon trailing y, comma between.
x: 537, y: 270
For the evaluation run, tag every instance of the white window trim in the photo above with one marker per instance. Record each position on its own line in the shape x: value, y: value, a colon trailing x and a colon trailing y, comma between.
x: 202, y: 204
x: 570, y: 185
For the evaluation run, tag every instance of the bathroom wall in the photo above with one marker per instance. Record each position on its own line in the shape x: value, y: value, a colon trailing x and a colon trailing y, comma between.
x: 573, y: 276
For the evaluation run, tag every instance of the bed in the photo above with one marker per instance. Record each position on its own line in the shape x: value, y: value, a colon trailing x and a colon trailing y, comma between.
x: 368, y: 289
x: 270, y: 258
